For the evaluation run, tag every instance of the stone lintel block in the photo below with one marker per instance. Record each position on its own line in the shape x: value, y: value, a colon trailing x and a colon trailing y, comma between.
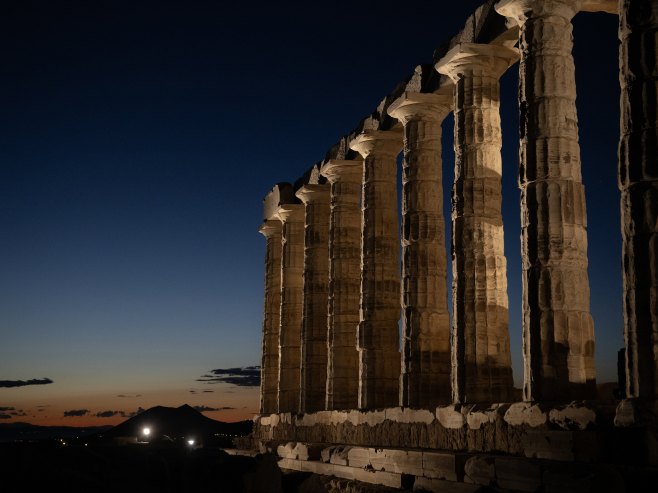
x: 299, y: 451
x: 442, y: 486
x: 389, y: 479
x: 398, y: 461
x: 450, y: 416
x: 440, y: 465
x: 477, y: 415
x: 416, y: 105
x: 574, y: 416
x: 408, y: 415
x: 526, y: 413
x: 291, y: 464
x: 465, y: 57
x: 358, y: 457
x: 552, y: 445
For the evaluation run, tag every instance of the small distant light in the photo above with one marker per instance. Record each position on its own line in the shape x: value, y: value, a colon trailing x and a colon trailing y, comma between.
x: 190, y: 442
x: 85, y: 444
x: 146, y: 431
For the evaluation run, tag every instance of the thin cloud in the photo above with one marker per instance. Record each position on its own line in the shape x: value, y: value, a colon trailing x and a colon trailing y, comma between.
x: 140, y: 410
x: 20, y: 412
x: 129, y: 395
x: 208, y: 391
x: 203, y: 409
x: 5, y: 416
x: 24, y: 383
x: 76, y: 413
x: 6, y: 408
x: 110, y: 414
x: 247, y: 376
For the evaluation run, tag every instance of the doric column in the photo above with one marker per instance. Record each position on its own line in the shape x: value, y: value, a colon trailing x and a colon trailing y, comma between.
x: 638, y: 181
x: 425, y: 378
x: 482, y: 364
x: 378, y: 333
x: 271, y: 317
x: 316, y: 280
x: 292, y: 294
x: 558, y: 330
x: 344, y: 282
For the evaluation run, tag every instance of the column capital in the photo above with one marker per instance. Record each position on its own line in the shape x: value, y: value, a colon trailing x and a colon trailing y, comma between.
x: 377, y: 141
x: 269, y: 228
x: 521, y: 10
x: 421, y: 106
x: 336, y: 170
x: 311, y: 193
x: 290, y: 213
x: 464, y: 57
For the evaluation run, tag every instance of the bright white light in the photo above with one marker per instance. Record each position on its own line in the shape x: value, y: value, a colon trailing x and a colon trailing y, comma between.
x: 190, y: 442
x: 146, y: 431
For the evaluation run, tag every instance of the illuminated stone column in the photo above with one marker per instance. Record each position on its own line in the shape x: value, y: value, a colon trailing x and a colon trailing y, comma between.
x: 272, y: 317
x: 292, y: 295
x: 316, y: 280
x: 425, y: 378
x: 378, y: 334
x: 344, y: 282
x: 482, y: 364
x: 558, y: 330
x: 638, y: 181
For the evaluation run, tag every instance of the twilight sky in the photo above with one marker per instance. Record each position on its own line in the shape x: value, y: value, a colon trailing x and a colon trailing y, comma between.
x: 137, y: 140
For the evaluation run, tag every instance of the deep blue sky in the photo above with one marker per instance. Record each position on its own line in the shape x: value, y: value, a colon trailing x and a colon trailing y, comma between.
x: 137, y: 140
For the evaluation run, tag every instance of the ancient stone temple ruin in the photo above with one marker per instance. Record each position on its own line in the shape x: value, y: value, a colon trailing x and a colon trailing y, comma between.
x: 344, y: 394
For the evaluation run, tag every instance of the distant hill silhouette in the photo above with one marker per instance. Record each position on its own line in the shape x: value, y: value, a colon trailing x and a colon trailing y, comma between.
x: 11, y: 432
x: 177, y: 422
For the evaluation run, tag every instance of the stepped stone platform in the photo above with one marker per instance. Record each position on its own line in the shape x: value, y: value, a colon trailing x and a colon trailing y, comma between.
x: 580, y: 446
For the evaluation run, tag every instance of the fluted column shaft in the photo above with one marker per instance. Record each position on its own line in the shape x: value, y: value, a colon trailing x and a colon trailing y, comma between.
x: 316, y: 286
x: 344, y: 282
x: 558, y: 330
x: 270, y: 348
x: 292, y: 294
x: 482, y: 365
x: 638, y: 181
x: 425, y: 376
x: 378, y: 333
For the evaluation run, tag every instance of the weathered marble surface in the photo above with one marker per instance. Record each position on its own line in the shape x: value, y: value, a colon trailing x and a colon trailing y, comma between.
x: 316, y: 289
x: 378, y: 335
x: 272, y: 317
x: 425, y: 376
x: 292, y: 295
x: 344, y: 282
x: 558, y: 330
x: 638, y: 181
x: 482, y: 364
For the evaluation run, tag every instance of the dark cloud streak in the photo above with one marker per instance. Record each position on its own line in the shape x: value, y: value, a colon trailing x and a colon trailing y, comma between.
x: 23, y: 383
x: 76, y: 413
x: 248, y: 376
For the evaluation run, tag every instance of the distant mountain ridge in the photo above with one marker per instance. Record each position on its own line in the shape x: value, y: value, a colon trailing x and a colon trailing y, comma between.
x: 175, y: 422
x: 19, y: 431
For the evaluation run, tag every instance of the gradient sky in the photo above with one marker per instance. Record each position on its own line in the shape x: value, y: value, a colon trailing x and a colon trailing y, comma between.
x: 137, y: 140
